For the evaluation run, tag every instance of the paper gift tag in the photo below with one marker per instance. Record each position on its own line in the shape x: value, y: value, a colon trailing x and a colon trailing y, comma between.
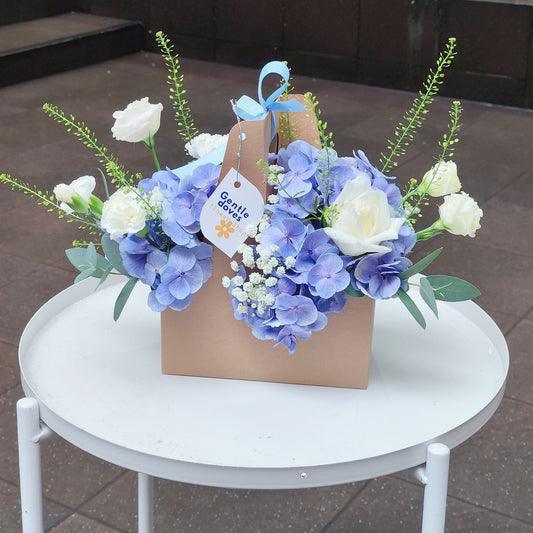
x: 234, y: 205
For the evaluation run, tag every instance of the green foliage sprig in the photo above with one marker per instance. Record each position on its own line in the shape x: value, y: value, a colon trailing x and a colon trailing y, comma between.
x: 415, y: 115
x: 48, y: 201
x: 182, y: 112
x: 419, y: 192
x: 326, y: 141
x: 286, y: 126
x: 84, y: 134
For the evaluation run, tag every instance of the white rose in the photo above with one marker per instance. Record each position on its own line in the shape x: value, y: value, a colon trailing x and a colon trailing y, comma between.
x: 82, y: 187
x: 460, y: 214
x: 122, y: 213
x: 204, y: 144
x: 362, y: 219
x: 137, y: 122
x: 441, y: 179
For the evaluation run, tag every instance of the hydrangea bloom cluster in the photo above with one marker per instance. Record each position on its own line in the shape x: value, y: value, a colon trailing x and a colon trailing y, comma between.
x: 167, y: 254
x: 301, y: 266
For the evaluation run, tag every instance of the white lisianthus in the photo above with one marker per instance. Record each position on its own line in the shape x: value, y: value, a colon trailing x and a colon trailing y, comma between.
x: 442, y: 179
x: 362, y: 219
x: 204, y: 144
x: 137, y: 122
x: 122, y: 214
x: 81, y: 187
x: 460, y: 214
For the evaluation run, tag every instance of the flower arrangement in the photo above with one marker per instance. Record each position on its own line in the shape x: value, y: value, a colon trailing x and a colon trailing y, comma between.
x: 334, y: 227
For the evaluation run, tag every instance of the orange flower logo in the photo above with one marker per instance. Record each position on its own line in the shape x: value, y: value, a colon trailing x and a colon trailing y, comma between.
x: 224, y: 229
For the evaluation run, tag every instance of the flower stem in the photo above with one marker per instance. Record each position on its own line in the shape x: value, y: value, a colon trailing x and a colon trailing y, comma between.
x: 435, y: 229
x: 156, y: 161
x: 150, y: 144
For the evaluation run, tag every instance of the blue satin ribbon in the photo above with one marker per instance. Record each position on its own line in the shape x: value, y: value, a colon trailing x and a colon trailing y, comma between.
x: 249, y: 109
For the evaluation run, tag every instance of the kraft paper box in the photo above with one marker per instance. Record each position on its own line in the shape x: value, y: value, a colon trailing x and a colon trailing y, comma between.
x: 206, y: 340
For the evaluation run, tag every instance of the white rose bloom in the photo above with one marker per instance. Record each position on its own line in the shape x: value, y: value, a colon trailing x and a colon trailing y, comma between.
x: 445, y: 180
x: 137, y: 122
x: 204, y: 144
x: 122, y: 214
x: 362, y: 219
x: 460, y: 214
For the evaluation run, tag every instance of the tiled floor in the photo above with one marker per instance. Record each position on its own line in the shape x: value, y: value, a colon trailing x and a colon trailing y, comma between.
x: 491, y: 479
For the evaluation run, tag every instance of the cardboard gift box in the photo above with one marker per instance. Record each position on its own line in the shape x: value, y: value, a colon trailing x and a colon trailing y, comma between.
x: 206, y: 340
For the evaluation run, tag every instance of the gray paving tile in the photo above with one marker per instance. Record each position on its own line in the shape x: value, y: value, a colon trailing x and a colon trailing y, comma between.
x: 520, y: 378
x: 78, y: 522
x: 485, y: 267
x: 13, y: 267
x: 8, y: 436
x: 494, y: 468
x: 35, y: 235
x: 180, y: 506
x: 389, y: 505
x: 22, y: 298
x: 70, y: 476
x: 9, y: 368
x: 513, y: 203
x: 11, y: 520
x: 27, y: 128
x: 504, y: 321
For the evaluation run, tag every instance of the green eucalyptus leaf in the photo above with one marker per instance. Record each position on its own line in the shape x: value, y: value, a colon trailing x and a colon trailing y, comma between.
x: 76, y: 256
x: 350, y: 291
x: 84, y: 274
x: 111, y: 251
x: 102, y: 264
x: 91, y: 256
x: 105, y: 273
x: 428, y: 295
x: 452, y: 289
x: 411, y: 307
x: 123, y: 297
x: 423, y: 263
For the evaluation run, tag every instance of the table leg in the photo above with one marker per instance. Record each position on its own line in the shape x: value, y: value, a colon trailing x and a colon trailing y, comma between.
x: 30, y: 433
x: 145, y: 503
x: 435, y: 478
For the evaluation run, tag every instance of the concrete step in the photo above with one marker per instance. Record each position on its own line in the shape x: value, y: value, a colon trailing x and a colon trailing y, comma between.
x: 49, y: 45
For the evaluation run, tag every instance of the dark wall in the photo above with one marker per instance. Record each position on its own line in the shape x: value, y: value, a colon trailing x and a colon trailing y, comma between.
x: 21, y: 10
x: 391, y: 43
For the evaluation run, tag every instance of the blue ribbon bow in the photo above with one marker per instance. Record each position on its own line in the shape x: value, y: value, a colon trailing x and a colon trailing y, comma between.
x: 249, y: 109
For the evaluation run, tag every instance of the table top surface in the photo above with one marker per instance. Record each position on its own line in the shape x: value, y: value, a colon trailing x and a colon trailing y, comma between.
x: 99, y: 385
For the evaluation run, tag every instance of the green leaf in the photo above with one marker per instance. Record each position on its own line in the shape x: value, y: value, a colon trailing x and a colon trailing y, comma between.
x: 411, y: 307
x: 102, y: 264
x: 452, y: 289
x: 123, y: 297
x: 112, y: 253
x: 428, y: 295
x: 76, y: 256
x: 423, y: 263
x: 105, y: 273
x: 91, y: 255
x: 85, y: 273
x: 350, y: 291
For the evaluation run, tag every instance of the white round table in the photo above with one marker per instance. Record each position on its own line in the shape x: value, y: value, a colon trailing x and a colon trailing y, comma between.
x: 98, y: 384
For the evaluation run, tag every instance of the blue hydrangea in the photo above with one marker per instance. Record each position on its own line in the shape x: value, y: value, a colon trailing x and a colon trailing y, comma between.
x: 377, y: 275
x: 168, y: 256
x: 300, y: 271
